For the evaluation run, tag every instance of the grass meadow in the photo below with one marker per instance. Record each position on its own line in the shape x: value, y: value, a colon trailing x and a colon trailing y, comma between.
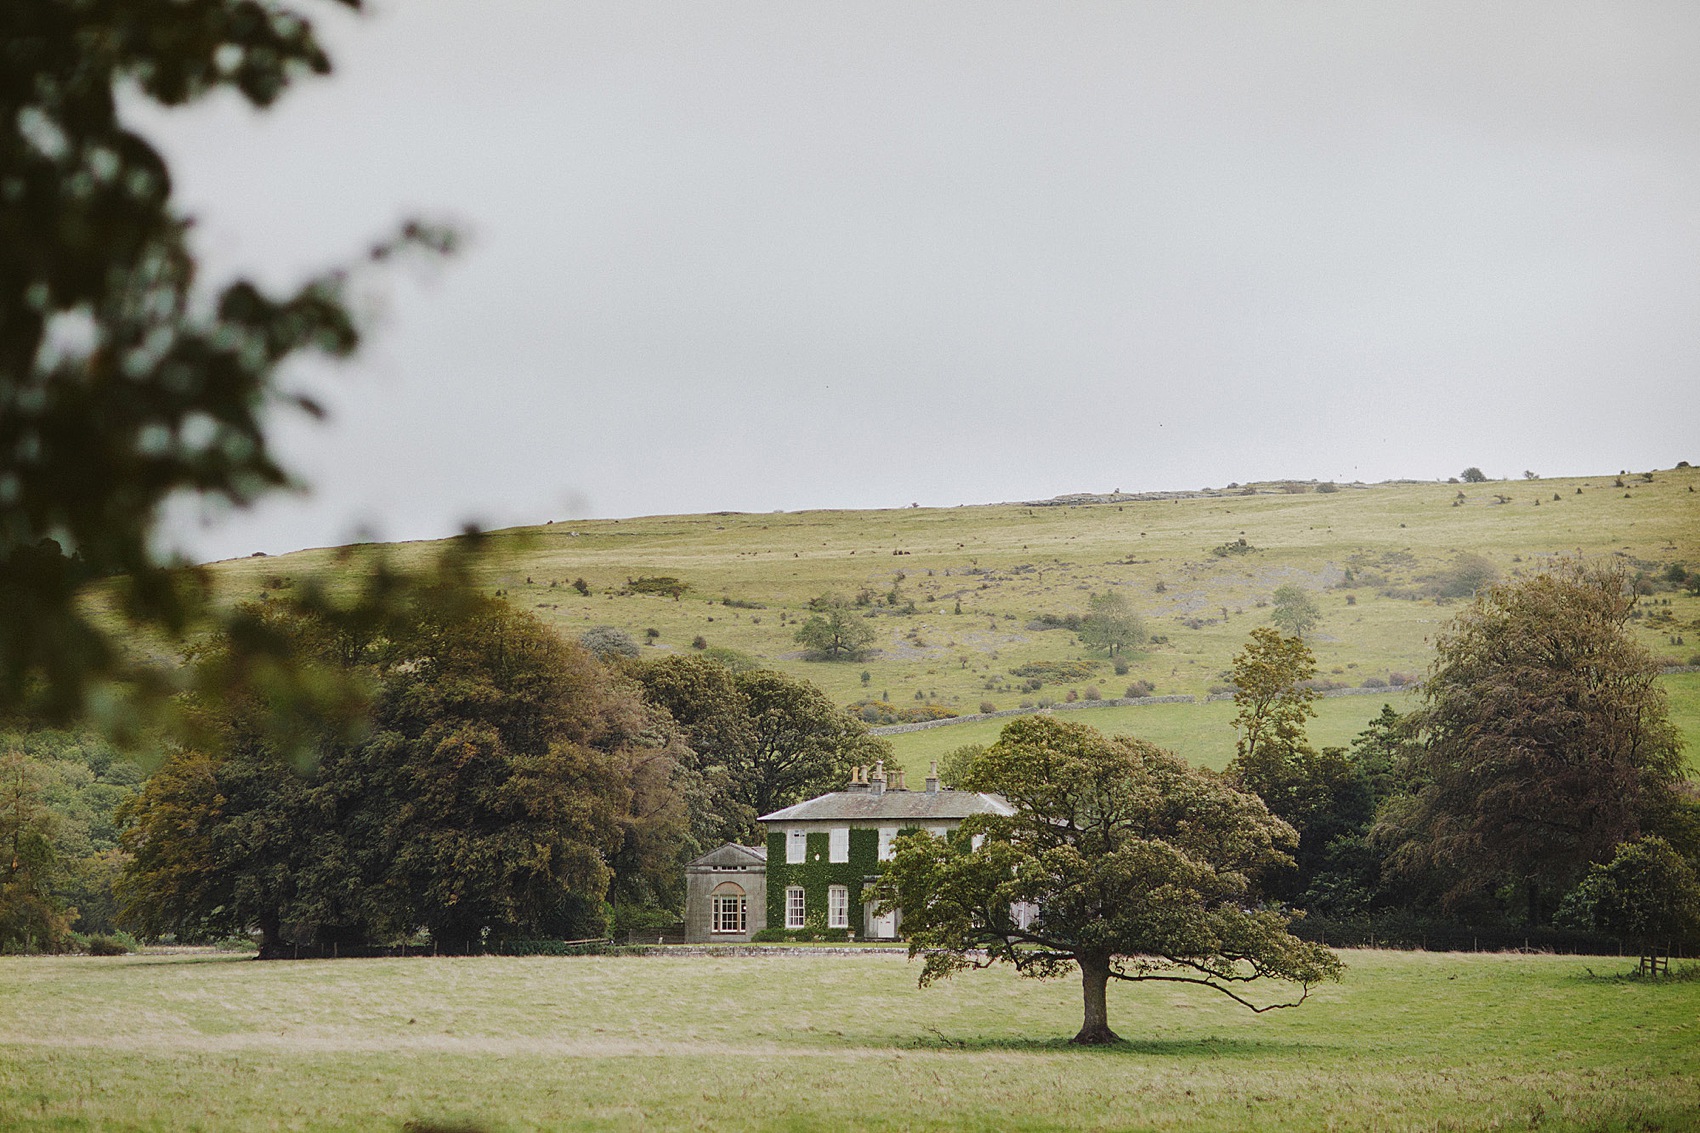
x: 1409, y: 1041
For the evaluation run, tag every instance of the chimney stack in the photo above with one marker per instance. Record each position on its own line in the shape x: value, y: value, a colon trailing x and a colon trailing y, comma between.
x: 933, y: 777
x: 901, y: 784
x: 876, y: 781
x: 858, y: 779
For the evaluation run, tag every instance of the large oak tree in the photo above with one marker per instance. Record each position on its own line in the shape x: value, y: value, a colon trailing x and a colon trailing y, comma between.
x: 1120, y: 860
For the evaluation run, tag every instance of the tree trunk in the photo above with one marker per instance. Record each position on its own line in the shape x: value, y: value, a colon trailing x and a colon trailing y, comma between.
x: 1094, y: 979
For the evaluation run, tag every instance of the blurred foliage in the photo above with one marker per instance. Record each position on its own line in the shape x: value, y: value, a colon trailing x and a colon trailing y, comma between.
x: 123, y: 382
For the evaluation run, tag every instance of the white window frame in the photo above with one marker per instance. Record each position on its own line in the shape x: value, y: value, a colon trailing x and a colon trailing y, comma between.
x: 838, y: 844
x: 796, y: 907
x: 728, y: 913
x: 796, y: 846
x: 888, y: 835
x: 837, y: 907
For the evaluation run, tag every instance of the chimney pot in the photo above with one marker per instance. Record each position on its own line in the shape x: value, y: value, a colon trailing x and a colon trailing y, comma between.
x: 933, y: 777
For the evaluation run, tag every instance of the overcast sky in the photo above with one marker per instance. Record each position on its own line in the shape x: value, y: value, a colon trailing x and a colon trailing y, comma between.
x: 781, y: 255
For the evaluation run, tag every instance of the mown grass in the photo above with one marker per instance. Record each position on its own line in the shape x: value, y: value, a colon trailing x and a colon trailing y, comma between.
x: 1005, y: 564
x: 1407, y: 1041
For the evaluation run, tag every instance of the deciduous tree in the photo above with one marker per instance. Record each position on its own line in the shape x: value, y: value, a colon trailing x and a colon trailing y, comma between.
x: 1111, y: 624
x: 835, y: 631
x: 1296, y: 612
x: 1139, y: 868
x: 1543, y: 740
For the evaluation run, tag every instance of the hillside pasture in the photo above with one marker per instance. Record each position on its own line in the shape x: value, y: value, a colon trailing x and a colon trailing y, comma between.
x: 1370, y: 554
x: 1407, y: 1041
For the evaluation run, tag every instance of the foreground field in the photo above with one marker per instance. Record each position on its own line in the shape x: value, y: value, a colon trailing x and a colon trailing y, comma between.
x: 1408, y: 1041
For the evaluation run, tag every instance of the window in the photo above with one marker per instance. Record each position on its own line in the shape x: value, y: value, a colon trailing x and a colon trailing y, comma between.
x: 727, y: 909
x: 976, y: 842
x: 838, y: 907
x: 838, y: 844
x: 939, y: 832
x: 796, y: 846
x: 888, y: 835
x: 794, y: 907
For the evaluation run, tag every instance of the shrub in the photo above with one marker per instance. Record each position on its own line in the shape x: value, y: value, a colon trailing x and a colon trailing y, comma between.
x: 1400, y: 680
x: 1140, y: 688
x: 1374, y: 682
x: 1326, y: 487
x: 1072, y: 696
x: 1092, y: 693
x: 580, y: 585
x: 663, y: 584
x: 699, y: 642
x: 987, y: 707
x: 1056, y: 671
x: 104, y: 945
x: 770, y: 936
x: 1121, y: 667
x: 1237, y: 547
x: 607, y: 641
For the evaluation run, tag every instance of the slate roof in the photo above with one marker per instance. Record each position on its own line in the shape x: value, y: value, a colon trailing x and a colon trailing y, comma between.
x: 866, y: 807
x: 732, y: 854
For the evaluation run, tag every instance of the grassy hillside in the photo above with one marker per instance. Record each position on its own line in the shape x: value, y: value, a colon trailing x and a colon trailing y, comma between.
x: 1409, y: 1041
x: 1370, y: 554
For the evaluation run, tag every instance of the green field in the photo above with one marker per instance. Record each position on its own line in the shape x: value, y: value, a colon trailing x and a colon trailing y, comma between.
x: 1006, y: 564
x: 1408, y: 1041
x: 1201, y: 733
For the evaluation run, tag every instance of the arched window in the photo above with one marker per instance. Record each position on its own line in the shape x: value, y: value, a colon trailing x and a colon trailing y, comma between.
x: 728, y: 908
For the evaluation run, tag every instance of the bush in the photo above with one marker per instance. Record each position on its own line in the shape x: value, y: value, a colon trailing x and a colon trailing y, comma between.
x: 608, y: 642
x: 770, y: 936
x: 1092, y: 693
x: 699, y: 642
x: 1059, y: 671
x: 987, y: 707
x: 104, y: 945
x: 1140, y: 688
x: 1237, y: 547
x: 1327, y: 487
x: 663, y: 584
x: 1374, y: 682
x: 1121, y: 667
x: 1400, y: 680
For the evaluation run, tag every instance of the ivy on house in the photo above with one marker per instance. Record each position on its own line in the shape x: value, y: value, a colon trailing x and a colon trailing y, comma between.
x: 816, y: 874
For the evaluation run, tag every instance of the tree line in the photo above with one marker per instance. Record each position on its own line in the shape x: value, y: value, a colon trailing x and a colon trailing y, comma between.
x: 493, y: 782
x: 1539, y: 771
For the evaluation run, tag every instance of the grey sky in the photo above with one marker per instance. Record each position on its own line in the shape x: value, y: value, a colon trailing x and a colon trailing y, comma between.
x: 778, y: 255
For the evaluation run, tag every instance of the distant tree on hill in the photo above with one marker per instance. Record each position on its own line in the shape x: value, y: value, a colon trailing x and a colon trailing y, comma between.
x: 1120, y: 860
x: 835, y: 631
x: 1111, y: 624
x: 1473, y: 475
x: 1295, y: 612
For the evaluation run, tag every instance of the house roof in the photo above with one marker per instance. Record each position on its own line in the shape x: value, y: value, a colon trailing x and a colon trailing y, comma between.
x: 868, y: 807
x: 734, y: 855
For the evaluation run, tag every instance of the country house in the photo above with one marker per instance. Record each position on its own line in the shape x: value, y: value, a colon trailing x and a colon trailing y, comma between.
x: 819, y: 855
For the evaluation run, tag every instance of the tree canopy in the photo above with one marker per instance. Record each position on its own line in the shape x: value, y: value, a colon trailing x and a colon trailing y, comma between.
x: 505, y: 783
x: 1542, y: 741
x: 1648, y: 896
x: 761, y: 740
x: 1120, y: 860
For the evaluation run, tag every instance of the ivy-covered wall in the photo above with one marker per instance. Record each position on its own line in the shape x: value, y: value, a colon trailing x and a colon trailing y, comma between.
x: 815, y: 874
